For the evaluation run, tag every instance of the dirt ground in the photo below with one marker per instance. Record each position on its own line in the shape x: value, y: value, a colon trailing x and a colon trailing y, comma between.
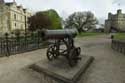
x: 108, y: 66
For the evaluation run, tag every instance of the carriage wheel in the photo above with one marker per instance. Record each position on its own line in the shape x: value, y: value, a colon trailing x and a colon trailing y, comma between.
x: 56, y: 51
x: 73, y: 57
x: 51, y: 52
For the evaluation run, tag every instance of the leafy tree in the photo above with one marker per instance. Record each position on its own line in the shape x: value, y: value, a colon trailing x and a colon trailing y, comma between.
x: 45, y: 19
x: 39, y: 21
x: 54, y: 18
x: 82, y: 21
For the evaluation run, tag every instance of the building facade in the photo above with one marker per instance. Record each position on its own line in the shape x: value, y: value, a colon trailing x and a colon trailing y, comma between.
x: 13, y: 17
x: 115, y: 22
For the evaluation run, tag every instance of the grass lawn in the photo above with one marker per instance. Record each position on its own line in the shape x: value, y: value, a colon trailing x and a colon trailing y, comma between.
x: 83, y: 34
x: 119, y: 36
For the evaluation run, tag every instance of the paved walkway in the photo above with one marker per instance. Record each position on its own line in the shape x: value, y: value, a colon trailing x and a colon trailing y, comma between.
x: 14, y: 69
x: 108, y: 66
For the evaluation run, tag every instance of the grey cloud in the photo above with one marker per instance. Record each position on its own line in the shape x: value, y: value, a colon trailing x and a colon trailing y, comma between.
x: 65, y: 7
x: 119, y: 2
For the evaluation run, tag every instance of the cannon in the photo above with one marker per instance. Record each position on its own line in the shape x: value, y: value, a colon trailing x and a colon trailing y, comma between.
x: 63, y: 45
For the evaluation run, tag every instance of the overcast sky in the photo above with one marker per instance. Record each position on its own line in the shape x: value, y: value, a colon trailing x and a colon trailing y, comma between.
x: 65, y: 7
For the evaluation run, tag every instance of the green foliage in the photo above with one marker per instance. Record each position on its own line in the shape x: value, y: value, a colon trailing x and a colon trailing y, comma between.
x: 39, y: 21
x: 54, y: 18
x: 45, y: 19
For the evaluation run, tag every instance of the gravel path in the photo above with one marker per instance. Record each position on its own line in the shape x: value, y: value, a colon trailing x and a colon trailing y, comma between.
x: 108, y: 66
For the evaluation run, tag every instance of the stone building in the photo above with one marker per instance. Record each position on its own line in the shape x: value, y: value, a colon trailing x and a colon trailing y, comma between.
x: 115, y: 22
x: 13, y: 17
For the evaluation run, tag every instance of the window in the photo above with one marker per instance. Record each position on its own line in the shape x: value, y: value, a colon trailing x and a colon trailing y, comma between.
x: 15, y: 24
x: 21, y: 18
x: 15, y: 16
x: 21, y: 26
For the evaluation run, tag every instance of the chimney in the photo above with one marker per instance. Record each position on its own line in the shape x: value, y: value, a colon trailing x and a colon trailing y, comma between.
x: 1, y: 1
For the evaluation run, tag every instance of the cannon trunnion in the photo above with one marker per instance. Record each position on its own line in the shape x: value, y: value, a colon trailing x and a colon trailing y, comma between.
x: 63, y: 45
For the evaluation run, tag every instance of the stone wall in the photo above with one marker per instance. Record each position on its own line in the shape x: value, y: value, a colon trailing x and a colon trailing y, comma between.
x: 115, y: 22
x: 118, y: 45
x: 3, y: 18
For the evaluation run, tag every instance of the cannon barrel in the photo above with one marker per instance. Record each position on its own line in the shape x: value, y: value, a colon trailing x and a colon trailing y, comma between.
x: 59, y: 34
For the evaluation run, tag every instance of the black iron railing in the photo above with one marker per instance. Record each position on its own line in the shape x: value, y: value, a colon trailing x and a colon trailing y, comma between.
x: 118, y: 45
x: 10, y: 45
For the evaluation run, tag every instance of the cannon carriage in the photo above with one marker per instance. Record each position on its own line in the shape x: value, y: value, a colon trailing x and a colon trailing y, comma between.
x: 63, y: 45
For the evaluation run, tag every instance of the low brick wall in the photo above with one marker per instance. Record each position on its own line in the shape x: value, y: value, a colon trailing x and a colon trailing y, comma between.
x: 118, y: 45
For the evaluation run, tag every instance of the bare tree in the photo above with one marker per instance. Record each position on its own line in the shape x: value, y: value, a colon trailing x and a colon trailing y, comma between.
x: 82, y: 21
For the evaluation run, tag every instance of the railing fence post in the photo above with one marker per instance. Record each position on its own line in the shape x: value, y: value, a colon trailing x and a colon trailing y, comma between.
x: 7, y: 44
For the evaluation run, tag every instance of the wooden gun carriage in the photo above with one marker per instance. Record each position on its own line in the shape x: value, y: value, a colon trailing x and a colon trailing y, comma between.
x: 63, y: 45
